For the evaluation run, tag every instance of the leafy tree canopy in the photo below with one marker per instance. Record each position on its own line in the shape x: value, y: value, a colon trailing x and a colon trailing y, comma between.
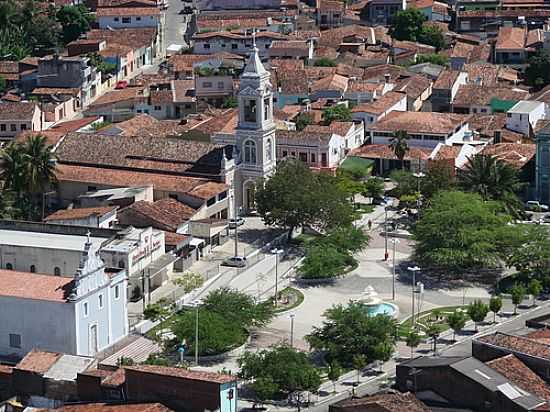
x: 281, y: 369
x: 302, y: 120
x: 434, y: 58
x: 324, y: 62
x: 536, y: 72
x: 320, y: 202
x: 338, y: 113
x: 410, y: 24
x: 74, y: 20
x: 461, y: 231
x: 349, y: 331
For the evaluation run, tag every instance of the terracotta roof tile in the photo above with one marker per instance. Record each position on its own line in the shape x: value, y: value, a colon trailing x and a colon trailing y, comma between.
x: 378, y: 72
x: 34, y: 286
x: 17, y: 111
x: 518, y: 373
x: 381, y: 105
x: 420, y: 122
x: 511, y: 38
x: 128, y: 11
x: 104, y: 407
x: 135, y: 38
x: 515, y: 154
x: 446, y: 79
x: 468, y: 95
x: 384, y: 151
x: 173, y: 239
x: 81, y: 213
x: 38, y: 361
x: 518, y: 344
x: 332, y: 82
x: 388, y: 402
x: 165, y: 214
x: 135, y: 125
x: 413, y: 86
x: 74, y: 125
x: 316, y: 136
x: 334, y: 37
x: 184, y: 373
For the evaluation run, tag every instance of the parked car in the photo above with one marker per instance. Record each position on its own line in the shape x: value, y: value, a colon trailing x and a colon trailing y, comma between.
x: 121, y: 84
x: 233, y: 223
x: 536, y: 206
x: 235, y: 261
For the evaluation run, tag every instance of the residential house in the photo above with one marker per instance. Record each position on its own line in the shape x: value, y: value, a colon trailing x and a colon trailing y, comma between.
x: 385, y: 160
x: 87, y: 311
x: 20, y: 117
x: 215, y: 42
x: 70, y: 72
x: 524, y: 115
x: 445, y: 89
x: 101, y: 216
x: 451, y: 377
x: 120, y: 197
x: 332, y: 88
x: 364, y: 91
x: 57, y: 103
x: 382, y: 11
x: 117, y: 105
x: 510, y: 46
x: 164, y: 214
x: 463, y: 53
x: 425, y: 129
x: 370, y: 113
x: 487, y: 20
x: 214, y: 85
x: 418, y: 90
x: 330, y: 13
x: 292, y: 49
x: 479, y: 99
x: 204, y: 5
x: 279, y: 21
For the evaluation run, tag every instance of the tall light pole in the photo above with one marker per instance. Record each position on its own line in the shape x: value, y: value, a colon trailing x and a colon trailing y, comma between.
x: 413, y: 269
x: 276, y: 252
x: 395, y: 242
x: 197, y: 303
x: 292, y: 330
x: 385, y: 231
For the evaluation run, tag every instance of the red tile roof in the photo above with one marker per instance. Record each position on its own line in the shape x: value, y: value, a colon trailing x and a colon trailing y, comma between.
x: 515, y: 154
x: 381, y: 105
x: 38, y: 361
x: 517, y: 344
x: 166, y: 214
x: 518, y: 373
x: 74, y: 125
x: 104, y: 407
x: 384, y: 151
x: 17, y: 111
x: 183, y: 373
x: 386, y: 402
x: 82, y: 213
x: 27, y: 285
x: 420, y: 122
x: 128, y: 11
x: 511, y: 38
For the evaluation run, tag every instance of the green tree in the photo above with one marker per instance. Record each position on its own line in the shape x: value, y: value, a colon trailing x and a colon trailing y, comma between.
x: 433, y: 36
x: 478, y: 311
x: 433, y: 331
x: 238, y: 308
x: 216, y: 333
x: 534, y: 288
x: 492, y: 179
x: 456, y: 321
x: 347, y: 239
x: 518, y: 293
x: 495, y: 305
x: 74, y: 20
x: 337, y: 113
x: 478, y: 237
x: 302, y: 120
x: 158, y: 360
x: 413, y: 340
x: 399, y: 144
x: 439, y: 177
x: 536, y: 72
x: 350, y: 330
x: 282, y: 369
x: 159, y: 311
x: 334, y: 372
x: 373, y: 187
x: 323, y: 261
x: 406, y: 183
x: 189, y: 281
x: 230, y: 102
x: 407, y: 24
x: 265, y: 388
x: 434, y: 58
x: 359, y: 363
x: 320, y: 202
x: 324, y: 62
x: 102, y: 66
x: 531, y: 257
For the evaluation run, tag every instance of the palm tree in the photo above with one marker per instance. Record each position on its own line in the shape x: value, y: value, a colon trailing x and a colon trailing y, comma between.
x: 11, y: 172
x: 493, y: 179
x: 400, y: 146
x: 38, y: 164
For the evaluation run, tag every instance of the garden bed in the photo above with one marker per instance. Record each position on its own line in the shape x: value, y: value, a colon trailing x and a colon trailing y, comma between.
x: 289, y: 298
x: 423, y: 318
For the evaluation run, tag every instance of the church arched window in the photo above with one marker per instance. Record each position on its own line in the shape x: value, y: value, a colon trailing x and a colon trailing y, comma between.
x: 249, y: 152
x: 268, y: 150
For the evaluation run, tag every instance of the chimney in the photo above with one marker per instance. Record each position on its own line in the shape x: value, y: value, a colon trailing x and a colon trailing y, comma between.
x: 497, y: 137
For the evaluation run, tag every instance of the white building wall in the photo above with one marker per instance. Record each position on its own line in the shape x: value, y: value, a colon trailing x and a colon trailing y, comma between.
x: 119, y: 22
x: 524, y: 122
x: 41, y: 324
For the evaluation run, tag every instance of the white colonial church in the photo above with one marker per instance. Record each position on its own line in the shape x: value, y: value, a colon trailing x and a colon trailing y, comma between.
x: 254, y: 139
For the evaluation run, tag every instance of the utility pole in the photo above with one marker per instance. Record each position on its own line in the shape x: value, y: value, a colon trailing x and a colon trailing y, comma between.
x: 276, y: 252
x: 385, y: 231
x: 395, y: 242
x: 196, y: 334
x: 413, y: 269
x: 292, y: 330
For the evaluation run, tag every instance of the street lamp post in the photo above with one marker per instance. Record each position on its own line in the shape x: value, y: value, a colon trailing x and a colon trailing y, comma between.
x: 292, y: 330
x: 197, y: 303
x: 385, y: 231
x: 395, y: 242
x: 413, y: 269
x: 276, y: 252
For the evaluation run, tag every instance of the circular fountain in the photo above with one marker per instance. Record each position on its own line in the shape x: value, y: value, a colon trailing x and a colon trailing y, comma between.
x: 375, y: 305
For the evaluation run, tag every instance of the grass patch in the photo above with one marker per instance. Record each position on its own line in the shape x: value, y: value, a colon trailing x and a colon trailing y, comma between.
x: 363, y: 208
x: 428, y: 316
x: 293, y: 297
